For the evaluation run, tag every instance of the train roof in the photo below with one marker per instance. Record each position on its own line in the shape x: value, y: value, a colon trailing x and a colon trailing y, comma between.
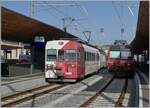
x: 120, y: 47
x: 80, y: 41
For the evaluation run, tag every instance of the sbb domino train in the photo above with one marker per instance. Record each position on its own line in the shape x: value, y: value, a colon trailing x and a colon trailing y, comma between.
x: 69, y: 60
x: 120, y: 61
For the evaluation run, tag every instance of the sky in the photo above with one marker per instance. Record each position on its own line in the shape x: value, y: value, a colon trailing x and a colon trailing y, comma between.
x: 91, y: 16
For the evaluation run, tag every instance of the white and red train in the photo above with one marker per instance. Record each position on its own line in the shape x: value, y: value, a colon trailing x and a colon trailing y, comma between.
x: 69, y: 60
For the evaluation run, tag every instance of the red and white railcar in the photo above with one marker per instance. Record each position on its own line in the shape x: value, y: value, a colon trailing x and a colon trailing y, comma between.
x: 120, y: 61
x: 69, y: 60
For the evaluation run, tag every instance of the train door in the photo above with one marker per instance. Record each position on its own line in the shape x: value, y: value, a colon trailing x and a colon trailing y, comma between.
x: 80, y: 63
x: 71, y: 63
x: 60, y: 64
x: 100, y: 59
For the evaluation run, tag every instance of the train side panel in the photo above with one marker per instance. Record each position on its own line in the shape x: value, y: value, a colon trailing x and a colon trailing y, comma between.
x: 91, y: 60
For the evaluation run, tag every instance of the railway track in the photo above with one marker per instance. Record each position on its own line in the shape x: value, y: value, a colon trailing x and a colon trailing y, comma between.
x: 118, y: 103
x: 122, y: 95
x: 90, y: 100
x: 24, y: 96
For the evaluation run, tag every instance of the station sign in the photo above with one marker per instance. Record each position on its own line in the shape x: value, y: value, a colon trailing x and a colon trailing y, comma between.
x: 39, y: 41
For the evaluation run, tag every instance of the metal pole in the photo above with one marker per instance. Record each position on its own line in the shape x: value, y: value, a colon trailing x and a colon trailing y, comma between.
x: 31, y: 13
x: 32, y: 60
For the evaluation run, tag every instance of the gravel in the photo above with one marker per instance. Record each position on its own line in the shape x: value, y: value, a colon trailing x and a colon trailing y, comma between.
x: 55, y: 95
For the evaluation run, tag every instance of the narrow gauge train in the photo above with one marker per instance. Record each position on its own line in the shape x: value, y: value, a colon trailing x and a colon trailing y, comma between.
x: 120, y: 61
x: 69, y: 60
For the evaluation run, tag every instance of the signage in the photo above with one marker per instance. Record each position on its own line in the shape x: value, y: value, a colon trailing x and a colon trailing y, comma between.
x: 39, y: 41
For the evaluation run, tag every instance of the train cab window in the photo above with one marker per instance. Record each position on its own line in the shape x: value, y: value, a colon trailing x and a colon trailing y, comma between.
x: 70, y: 55
x: 114, y: 54
x: 51, y: 54
x: 60, y: 55
x: 125, y: 54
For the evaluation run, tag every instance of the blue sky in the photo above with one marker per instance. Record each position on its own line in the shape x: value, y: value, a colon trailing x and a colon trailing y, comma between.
x: 88, y: 15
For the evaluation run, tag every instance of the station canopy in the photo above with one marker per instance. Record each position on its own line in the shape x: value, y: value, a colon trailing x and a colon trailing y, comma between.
x: 19, y: 28
x: 141, y: 40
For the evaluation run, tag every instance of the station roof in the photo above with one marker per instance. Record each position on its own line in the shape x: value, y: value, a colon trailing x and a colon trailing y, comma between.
x: 17, y: 27
x: 141, y: 40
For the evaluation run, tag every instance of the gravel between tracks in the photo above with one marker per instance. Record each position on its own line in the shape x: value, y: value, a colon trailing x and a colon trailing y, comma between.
x: 46, y: 99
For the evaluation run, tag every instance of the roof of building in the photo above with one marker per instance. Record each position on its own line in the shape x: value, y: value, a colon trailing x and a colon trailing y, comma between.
x: 17, y: 27
x: 141, y: 40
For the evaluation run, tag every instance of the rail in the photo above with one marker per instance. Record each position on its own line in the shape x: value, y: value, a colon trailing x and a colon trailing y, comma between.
x: 122, y: 95
x: 90, y: 100
x: 24, y: 96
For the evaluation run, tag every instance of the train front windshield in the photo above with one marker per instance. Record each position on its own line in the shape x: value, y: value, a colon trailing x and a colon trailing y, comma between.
x: 120, y: 54
x: 125, y: 54
x: 114, y: 54
x: 51, y: 55
x: 60, y: 55
x: 70, y: 55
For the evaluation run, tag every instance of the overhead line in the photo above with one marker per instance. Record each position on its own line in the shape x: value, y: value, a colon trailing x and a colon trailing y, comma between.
x: 118, y: 14
x: 55, y: 8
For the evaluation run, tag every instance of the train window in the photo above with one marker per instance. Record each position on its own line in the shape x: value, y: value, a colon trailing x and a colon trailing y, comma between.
x: 60, y: 55
x: 93, y: 56
x: 70, y: 55
x: 87, y: 56
x: 90, y: 56
x: 97, y: 57
x: 51, y: 54
x: 114, y: 54
x: 125, y: 54
x: 84, y: 56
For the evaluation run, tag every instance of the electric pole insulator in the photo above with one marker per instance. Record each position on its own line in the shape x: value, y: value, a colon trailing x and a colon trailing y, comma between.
x: 122, y: 30
x: 102, y: 30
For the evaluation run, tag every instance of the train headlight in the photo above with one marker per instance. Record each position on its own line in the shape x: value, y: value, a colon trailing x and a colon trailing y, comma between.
x: 73, y: 66
x: 49, y: 66
x: 128, y: 64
